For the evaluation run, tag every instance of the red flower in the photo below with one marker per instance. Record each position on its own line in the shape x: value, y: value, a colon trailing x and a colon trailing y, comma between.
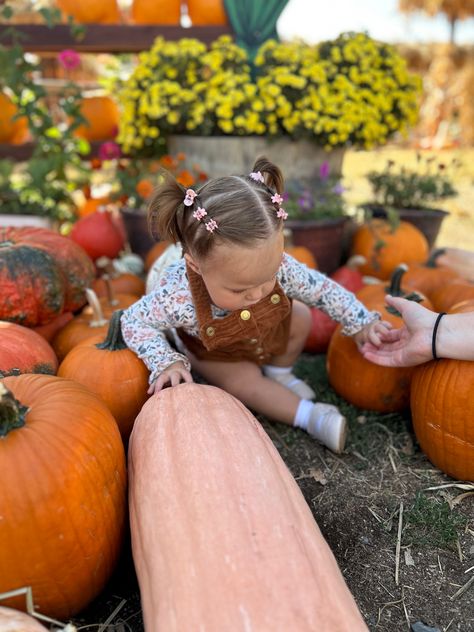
x: 109, y: 151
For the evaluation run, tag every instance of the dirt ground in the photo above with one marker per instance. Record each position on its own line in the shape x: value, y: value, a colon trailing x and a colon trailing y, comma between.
x: 356, y: 497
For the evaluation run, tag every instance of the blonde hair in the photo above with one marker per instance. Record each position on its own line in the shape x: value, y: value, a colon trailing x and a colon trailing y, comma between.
x: 241, y: 206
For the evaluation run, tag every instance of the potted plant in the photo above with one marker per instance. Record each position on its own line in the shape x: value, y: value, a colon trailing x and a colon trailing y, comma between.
x: 40, y: 190
x: 303, y: 102
x: 412, y: 193
x: 317, y: 216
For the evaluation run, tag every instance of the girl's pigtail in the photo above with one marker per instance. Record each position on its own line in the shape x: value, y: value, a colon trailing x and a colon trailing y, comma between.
x: 272, y: 175
x: 165, y: 210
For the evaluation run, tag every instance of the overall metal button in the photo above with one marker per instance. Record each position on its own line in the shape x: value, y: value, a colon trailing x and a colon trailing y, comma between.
x: 275, y: 299
x: 210, y: 331
x: 245, y: 314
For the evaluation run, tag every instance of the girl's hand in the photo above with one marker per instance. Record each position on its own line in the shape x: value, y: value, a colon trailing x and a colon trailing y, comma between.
x: 375, y: 332
x: 174, y: 375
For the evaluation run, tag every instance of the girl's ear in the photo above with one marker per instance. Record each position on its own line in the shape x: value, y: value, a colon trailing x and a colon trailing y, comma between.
x: 192, y: 263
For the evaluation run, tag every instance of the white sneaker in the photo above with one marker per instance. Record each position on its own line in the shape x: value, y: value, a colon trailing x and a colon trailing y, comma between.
x: 294, y: 384
x: 327, y: 425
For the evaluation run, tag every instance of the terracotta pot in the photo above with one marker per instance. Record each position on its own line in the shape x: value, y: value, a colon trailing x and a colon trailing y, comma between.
x: 323, y: 237
x: 428, y: 220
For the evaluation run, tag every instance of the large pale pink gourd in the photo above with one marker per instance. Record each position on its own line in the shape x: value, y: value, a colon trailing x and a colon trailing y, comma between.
x: 222, y: 537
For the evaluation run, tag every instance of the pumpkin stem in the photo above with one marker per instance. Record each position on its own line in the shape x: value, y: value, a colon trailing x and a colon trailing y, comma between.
x: 12, y: 412
x: 97, y: 319
x: 437, y: 252
x: 394, y: 289
x: 114, y: 340
x: 110, y: 290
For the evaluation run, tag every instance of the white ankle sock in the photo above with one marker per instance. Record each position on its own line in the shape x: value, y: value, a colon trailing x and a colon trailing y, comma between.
x: 303, y: 413
x: 272, y: 371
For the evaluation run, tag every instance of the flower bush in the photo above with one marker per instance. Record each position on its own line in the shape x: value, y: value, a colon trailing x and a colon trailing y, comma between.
x: 400, y: 187
x: 351, y: 90
x: 321, y: 197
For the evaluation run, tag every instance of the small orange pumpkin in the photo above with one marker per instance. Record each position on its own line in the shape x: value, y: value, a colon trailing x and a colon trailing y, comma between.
x: 429, y: 276
x: 126, y: 283
x: 384, y: 246
x: 450, y: 294
x: 91, y: 11
x: 102, y: 116
x: 108, y: 368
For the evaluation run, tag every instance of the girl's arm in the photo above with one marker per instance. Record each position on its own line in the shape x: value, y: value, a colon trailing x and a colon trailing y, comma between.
x: 317, y: 290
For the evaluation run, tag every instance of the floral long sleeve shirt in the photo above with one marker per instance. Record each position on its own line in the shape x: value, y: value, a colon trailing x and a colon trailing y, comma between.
x: 170, y: 306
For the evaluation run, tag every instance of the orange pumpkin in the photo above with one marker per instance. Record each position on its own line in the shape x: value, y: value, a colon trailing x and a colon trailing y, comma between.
x: 12, y: 130
x: 384, y: 247
x: 91, y: 11
x: 91, y: 205
x: 303, y: 255
x: 463, y: 307
x: 374, y: 293
x: 126, y: 283
x: 163, y: 12
x: 442, y: 409
x: 207, y: 12
x: 459, y: 260
x: 155, y: 251
x: 384, y: 389
x: 63, y: 493
x: 49, y: 330
x: 87, y: 324
x: 102, y: 116
x: 222, y: 537
x: 108, y: 368
x: 450, y: 294
x: 429, y: 276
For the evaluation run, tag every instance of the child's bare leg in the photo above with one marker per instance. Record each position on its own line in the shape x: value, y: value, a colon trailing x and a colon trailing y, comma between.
x: 299, y: 331
x: 244, y: 380
x: 280, y: 367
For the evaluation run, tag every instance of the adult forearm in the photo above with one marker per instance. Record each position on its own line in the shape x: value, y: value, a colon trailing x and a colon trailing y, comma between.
x: 455, y: 336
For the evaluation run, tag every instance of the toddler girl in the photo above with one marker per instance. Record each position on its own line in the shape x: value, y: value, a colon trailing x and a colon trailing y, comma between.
x: 238, y: 302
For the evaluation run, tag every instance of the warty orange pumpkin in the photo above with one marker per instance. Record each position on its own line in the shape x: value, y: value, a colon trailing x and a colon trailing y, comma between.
x: 24, y: 351
x: 62, y: 497
x: 108, y: 368
x: 222, y: 538
x: 385, y: 246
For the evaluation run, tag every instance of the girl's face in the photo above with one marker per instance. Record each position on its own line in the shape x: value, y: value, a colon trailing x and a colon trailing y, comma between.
x: 239, y: 276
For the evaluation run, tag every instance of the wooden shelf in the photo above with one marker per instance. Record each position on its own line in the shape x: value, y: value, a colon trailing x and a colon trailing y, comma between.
x: 102, y: 38
x: 22, y: 152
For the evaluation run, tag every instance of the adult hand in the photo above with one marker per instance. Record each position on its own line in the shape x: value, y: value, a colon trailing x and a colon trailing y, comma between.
x: 172, y: 375
x: 409, y: 345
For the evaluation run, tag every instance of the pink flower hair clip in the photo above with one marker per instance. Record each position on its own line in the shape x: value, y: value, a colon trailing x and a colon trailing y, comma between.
x: 189, y: 198
x: 257, y: 176
x: 211, y: 225
x: 199, y: 213
x: 277, y: 199
x: 282, y: 213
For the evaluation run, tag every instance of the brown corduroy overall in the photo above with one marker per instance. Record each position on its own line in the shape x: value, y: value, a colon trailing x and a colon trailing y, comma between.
x: 255, y: 333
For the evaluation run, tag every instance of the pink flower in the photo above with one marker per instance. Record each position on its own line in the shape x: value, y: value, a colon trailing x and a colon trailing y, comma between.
x: 109, y: 151
x: 324, y: 170
x: 282, y: 213
x: 69, y: 59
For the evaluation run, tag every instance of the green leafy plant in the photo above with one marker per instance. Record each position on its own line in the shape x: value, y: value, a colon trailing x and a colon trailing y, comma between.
x: 44, y: 184
x: 317, y: 198
x: 399, y: 187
